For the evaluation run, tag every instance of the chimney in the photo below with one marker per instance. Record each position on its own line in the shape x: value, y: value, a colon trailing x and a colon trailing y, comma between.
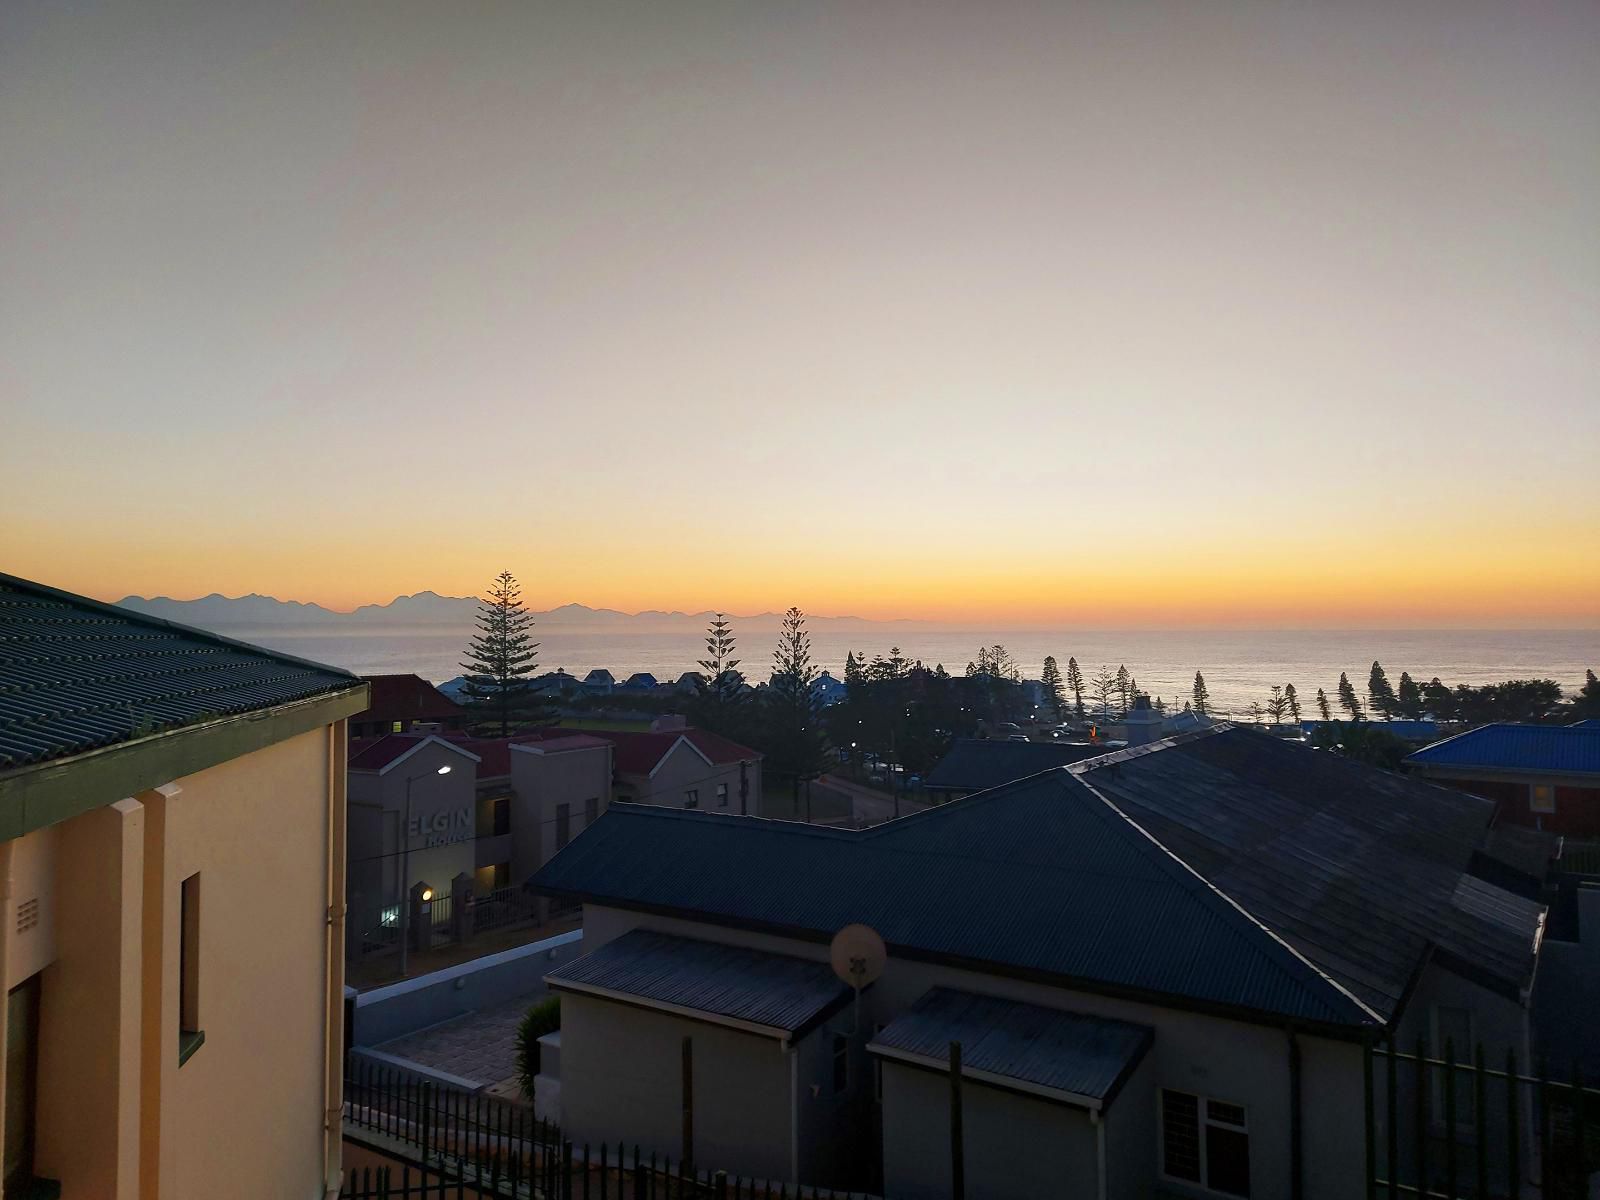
x: 1143, y: 723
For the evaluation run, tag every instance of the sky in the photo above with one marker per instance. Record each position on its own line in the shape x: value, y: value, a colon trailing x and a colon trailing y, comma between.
x: 1258, y: 315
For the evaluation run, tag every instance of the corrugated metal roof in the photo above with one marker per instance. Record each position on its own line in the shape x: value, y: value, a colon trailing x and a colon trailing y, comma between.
x: 1553, y: 749
x: 775, y: 990
x: 76, y: 674
x: 1591, y: 723
x: 1040, y: 876
x: 1357, y: 868
x: 1068, y: 1052
x: 976, y: 764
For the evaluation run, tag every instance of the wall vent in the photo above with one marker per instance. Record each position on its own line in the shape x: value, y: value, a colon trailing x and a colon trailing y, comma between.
x: 27, y: 914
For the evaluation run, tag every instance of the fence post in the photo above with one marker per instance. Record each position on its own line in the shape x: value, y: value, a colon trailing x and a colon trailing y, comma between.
x: 958, y: 1165
x: 566, y: 1169
x: 1369, y: 1100
x: 1513, y: 1133
x: 1450, y: 1118
x: 688, y: 1101
x: 425, y: 1117
x: 1421, y: 1130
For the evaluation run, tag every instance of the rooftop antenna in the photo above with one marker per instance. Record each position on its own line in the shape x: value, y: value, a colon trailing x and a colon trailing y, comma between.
x: 858, y: 956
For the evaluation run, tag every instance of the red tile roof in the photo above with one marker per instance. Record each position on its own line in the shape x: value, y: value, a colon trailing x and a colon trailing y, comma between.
x: 406, y: 698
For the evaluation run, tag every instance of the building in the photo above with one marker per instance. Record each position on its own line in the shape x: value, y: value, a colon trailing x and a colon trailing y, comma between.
x: 172, y: 940
x: 401, y: 703
x: 978, y: 764
x: 682, y: 767
x: 1541, y: 776
x: 1163, y: 966
x: 479, y: 815
x: 828, y: 690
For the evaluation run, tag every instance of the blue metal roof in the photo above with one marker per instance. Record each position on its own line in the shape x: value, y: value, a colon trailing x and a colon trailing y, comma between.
x: 76, y: 674
x: 1591, y: 723
x: 1040, y: 877
x: 978, y: 764
x: 1535, y: 749
x: 1359, y: 869
x: 778, y: 991
x: 1080, y: 1057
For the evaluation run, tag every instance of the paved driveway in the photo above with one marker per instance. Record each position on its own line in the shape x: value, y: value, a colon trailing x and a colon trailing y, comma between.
x: 481, y: 1046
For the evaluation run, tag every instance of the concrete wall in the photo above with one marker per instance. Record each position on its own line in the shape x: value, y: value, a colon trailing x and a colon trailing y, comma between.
x: 542, y: 780
x: 1130, y: 1155
x: 1015, y: 1146
x: 1229, y: 1060
x: 684, y: 768
x: 385, y: 1013
x: 118, y: 1116
x: 443, y: 808
x: 621, y: 1077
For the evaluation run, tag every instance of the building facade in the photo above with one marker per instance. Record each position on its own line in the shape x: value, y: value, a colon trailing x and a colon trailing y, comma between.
x: 173, y: 872
x: 1542, y: 777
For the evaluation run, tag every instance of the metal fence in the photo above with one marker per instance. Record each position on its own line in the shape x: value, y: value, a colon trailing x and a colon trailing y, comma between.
x: 1580, y: 857
x: 506, y: 906
x: 1447, y: 1127
x: 500, y: 1148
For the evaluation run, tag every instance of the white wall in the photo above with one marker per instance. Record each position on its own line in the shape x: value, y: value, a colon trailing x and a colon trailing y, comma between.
x: 1225, y: 1059
x: 1016, y: 1147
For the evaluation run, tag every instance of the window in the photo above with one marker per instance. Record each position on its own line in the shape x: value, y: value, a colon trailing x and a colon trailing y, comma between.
x: 394, y: 727
x: 1542, y: 798
x: 841, y: 1064
x: 1455, y: 1026
x: 691, y: 798
x: 722, y: 795
x: 502, y: 815
x: 1205, y: 1142
x: 591, y: 810
x: 190, y: 1036
x: 563, y: 825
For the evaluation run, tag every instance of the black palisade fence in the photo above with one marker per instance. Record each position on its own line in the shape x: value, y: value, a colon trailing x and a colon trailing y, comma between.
x: 467, y: 1144
x: 1449, y: 1125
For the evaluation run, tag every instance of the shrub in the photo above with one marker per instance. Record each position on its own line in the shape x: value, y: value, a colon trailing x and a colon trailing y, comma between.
x: 544, y: 1017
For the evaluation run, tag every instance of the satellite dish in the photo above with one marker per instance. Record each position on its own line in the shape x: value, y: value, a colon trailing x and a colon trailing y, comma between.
x: 858, y: 955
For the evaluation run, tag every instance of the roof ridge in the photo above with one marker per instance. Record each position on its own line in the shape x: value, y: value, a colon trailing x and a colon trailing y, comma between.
x: 75, y: 600
x: 1230, y: 909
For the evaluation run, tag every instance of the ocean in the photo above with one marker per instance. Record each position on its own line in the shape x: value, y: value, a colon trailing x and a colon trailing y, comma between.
x: 1239, y: 666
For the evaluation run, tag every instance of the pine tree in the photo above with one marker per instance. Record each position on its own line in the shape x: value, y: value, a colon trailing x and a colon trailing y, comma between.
x: 718, y: 692
x: 1256, y: 712
x: 1587, y: 702
x: 1202, y: 697
x: 1124, y: 681
x: 1075, y: 684
x: 1409, y: 699
x: 501, y: 657
x: 1277, y: 704
x: 1104, y: 686
x: 1161, y: 706
x: 796, y: 746
x: 1292, y: 698
x: 1380, y: 694
x: 1439, y: 702
x: 1347, y: 697
x: 1050, y: 682
x: 1322, y: 705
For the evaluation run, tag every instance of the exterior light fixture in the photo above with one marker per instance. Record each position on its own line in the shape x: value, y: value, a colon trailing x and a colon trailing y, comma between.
x: 444, y: 770
x: 427, y: 894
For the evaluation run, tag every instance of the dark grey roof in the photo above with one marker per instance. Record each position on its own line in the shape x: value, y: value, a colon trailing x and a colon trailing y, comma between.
x: 783, y: 993
x: 1072, y: 1054
x: 1360, y: 870
x: 976, y: 764
x: 76, y: 674
x: 1040, y: 878
x: 1534, y: 749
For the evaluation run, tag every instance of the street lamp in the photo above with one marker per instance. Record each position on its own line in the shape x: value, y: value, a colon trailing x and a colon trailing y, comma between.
x: 405, y: 873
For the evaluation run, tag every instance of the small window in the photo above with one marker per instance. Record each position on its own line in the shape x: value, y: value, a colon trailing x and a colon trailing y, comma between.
x: 1205, y: 1142
x: 395, y: 727
x: 563, y: 825
x: 691, y: 798
x: 502, y: 815
x: 1543, y: 799
x: 841, y: 1064
x: 190, y: 1035
x: 722, y: 795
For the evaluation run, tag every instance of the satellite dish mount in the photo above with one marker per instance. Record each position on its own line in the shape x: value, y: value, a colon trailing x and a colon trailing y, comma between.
x: 858, y: 956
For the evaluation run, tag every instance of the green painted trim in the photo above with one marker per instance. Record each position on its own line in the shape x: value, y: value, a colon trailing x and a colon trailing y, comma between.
x: 46, y: 793
x: 188, y: 1043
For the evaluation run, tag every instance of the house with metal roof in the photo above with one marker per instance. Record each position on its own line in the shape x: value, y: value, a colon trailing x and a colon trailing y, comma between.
x: 172, y: 874
x: 1163, y: 964
x: 1541, y: 776
x: 679, y: 766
